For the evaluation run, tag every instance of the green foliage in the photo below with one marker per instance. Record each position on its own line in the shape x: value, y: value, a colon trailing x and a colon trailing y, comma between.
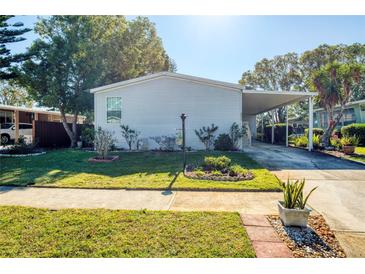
x: 13, y: 94
x: 10, y: 33
x: 206, y: 135
x: 236, y: 133
x: 293, y: 194
x: 235, y: 170
x: 336, y: 142
x: 301, y: 141
x: 21, y: 147
x: 216, y: 163
x: 316, y: 141
x: 130, y: 135
x: 355, y: 130
x: 349, y: 141
x: 279, y: 133
x: 316, y: 131
x: 87, y: 136
x: 223, y: 143
x: 76, y: 53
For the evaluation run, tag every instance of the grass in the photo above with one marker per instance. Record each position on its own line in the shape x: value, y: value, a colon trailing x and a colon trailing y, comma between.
x: 150, y: 170
x: 359, y: 154
x: 31, y: 232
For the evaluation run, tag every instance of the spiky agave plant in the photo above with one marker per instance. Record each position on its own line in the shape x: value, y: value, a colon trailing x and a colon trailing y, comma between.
x: 293, y: 194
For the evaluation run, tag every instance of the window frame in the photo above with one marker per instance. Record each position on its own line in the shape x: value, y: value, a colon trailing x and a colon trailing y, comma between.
x: 109, y: 121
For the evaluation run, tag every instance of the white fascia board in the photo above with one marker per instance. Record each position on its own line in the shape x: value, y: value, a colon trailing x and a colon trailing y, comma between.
x: 170, y: 75
x: 302, y: 93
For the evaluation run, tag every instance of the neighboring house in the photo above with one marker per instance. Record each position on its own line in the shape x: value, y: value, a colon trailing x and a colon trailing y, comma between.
x: 11, y: 116
x: 153, y: 104
x: 354, y: 113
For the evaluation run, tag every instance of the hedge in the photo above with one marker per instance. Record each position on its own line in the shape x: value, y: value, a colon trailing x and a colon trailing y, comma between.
x: 316, y: 131
x: 355, y: 129
x: 279, y: 133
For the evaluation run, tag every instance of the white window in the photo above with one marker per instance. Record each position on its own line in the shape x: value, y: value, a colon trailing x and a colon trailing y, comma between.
x: 114, y: 110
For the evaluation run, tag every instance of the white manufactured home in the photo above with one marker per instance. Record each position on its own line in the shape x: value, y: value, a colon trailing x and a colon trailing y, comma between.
x: 153, y: 104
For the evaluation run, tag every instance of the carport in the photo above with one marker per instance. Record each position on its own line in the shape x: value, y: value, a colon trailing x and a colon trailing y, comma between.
x: 255, y: 102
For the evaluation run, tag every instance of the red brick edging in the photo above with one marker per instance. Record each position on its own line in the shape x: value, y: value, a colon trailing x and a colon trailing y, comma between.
x: 265, y: 240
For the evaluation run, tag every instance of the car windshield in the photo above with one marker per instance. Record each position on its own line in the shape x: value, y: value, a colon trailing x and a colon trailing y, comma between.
x: 5, y: 126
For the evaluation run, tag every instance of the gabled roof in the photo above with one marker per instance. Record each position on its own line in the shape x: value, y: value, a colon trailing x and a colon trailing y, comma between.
x: 168, y: 75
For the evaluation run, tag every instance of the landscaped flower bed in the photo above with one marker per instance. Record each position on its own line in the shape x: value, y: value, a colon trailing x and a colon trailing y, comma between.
x: 218, y: 169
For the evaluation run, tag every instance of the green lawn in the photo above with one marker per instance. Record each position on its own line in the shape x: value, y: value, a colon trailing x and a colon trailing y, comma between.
x: 31, y: 232
x: 70, y: 168
x: 359, y: 154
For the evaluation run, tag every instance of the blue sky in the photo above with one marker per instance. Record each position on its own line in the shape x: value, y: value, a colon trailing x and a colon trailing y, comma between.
x: 222, y: 47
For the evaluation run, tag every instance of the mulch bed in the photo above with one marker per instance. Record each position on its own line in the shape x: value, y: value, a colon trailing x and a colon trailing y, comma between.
x: 107, y: 159
x: 315, y: 241
x: 225, y: 177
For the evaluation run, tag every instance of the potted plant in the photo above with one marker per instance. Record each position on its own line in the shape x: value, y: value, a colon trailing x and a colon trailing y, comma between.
x: 349, y: 144
x: 293, y: 210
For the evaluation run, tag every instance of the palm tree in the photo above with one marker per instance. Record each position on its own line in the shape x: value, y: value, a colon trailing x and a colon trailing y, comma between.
x: 335, y: 84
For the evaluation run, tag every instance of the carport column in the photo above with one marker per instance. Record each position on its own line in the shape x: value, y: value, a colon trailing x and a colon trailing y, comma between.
x: 310, y: 120
x: 287, y: 127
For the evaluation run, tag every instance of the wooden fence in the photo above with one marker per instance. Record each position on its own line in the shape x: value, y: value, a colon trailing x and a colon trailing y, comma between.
x: 53, y: 134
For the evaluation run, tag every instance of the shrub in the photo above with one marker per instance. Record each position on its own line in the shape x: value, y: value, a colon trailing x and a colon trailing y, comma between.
x: 206, y: 135
x: 316, y: 131
x: 236, y: 133
x: 103, y: 142
x: 336, y: 142
x: 301, y: 141
x: 279, y: 133
x: 236, y: 170
x: 355, y: 130
x: 166, y: 143
x: 293, y: 194
x: 130, y: 136
x: 216, y: 163
x: 316, y: 141
x: 223, y: 142
x: 87, y: 136
x: 21, y: 147
x: 349, y: 141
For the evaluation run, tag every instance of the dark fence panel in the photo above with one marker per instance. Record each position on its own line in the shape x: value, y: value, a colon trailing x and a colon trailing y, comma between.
x: 53, y: 134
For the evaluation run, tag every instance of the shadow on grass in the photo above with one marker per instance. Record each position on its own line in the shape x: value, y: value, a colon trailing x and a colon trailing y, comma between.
x: 62, y: 164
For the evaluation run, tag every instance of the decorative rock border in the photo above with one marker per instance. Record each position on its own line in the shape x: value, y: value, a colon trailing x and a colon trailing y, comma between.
x: 108, y: 160
x: 21, y: 155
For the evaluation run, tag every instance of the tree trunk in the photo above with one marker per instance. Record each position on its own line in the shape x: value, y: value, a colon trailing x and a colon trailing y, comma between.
x: 332, y: 123
x: 71, y: 133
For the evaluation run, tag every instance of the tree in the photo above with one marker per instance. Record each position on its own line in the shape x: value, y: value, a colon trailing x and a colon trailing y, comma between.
x: 76, y: 53
x: 13, y: 94
x: 130, y: 135
x: 282, y: 73
x: 206, y: 135
x: 10, y: 33
x: 335, y: 84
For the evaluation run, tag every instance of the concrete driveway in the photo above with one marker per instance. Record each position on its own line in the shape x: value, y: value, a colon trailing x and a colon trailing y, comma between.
x: 340, y: 196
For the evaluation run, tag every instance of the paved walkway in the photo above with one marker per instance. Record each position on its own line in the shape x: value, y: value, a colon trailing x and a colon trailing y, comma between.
x: 340, y: 197
x: 56, y: 198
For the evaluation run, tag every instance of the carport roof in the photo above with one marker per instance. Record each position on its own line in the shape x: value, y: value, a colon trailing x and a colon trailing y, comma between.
x: 256, y: 101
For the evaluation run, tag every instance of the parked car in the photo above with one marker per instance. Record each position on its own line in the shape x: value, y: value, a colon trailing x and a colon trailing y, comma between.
x: 7, y: 132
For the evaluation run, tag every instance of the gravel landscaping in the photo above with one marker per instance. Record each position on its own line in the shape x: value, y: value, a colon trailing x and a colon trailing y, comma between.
x: 315, y: 241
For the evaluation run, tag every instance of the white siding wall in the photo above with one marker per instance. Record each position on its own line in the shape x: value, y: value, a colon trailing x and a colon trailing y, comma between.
x: 154, y: 108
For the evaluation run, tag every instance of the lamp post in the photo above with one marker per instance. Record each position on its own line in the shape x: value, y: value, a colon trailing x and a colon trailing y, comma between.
x: 183, y: 117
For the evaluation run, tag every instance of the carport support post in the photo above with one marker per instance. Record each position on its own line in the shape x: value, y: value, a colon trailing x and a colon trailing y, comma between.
x: 287, y: 127
x: 183, y: 117
x: 272, y: 128
x: 310, y: 121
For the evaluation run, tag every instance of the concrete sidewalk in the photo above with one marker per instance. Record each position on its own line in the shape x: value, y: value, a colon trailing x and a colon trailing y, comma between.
x: 56, y: 198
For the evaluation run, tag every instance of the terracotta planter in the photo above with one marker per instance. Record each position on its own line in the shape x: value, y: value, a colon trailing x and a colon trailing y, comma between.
x: 348, y: 149
x: 293, y: 217
x: 101, y: 160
